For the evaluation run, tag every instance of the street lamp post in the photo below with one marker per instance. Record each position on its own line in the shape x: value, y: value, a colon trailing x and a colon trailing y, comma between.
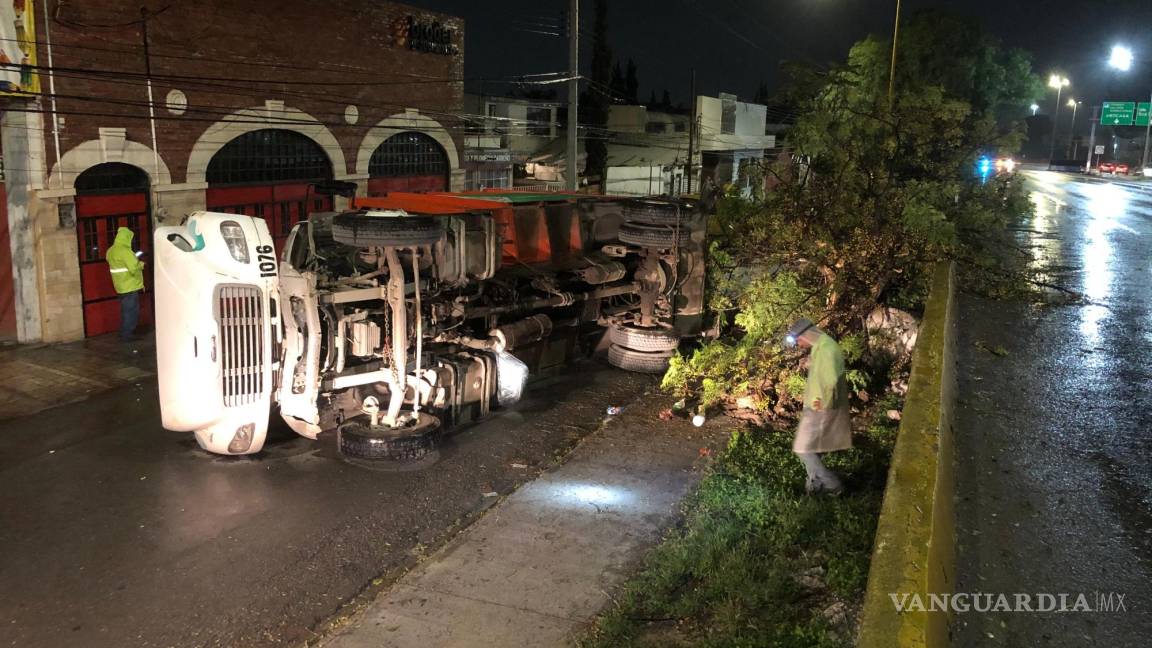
x: 1121, y: 59
x: 1073, y: 104
x: 1058, y: 82
x: 892, y: 65
x: 1034, y: 108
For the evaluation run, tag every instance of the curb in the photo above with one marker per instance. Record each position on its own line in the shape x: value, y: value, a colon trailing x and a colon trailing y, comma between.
x: 915, y: 548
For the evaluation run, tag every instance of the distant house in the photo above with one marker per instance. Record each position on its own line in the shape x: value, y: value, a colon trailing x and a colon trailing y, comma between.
x: 504, y: 133
x: 648, y: 150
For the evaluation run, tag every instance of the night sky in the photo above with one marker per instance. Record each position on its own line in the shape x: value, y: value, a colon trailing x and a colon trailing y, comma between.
x: 736, y: 44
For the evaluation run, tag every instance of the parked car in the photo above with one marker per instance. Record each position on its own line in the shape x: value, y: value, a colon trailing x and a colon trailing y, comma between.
x: 1107, y: 167
x: 409, y: 314
x: 1121, y: 169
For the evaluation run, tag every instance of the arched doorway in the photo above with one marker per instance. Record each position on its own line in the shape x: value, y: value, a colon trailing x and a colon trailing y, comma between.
x: 110, y: 196
x: 409, y: 161
x: 268, y: 174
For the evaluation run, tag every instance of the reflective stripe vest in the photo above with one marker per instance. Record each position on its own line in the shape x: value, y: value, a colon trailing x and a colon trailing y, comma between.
x: 127, y: 271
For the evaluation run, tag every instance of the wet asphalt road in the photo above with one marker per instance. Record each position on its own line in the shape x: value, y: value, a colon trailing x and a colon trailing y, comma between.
x: 1054, y: 438
x: 117, y: 533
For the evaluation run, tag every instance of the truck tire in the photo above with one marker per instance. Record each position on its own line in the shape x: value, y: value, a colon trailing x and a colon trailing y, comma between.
x: 652, y: 236
x: 649, y: 340
x: 357, y: 439
x: 638, y: 361
x: 656, y: 212
x: 361, y: 230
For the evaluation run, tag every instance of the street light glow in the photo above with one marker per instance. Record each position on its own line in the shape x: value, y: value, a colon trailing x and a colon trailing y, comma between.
x: 1072, y: 103
x: 1057, y: 81
x: 1034, y: 108
x: 1121, y: 58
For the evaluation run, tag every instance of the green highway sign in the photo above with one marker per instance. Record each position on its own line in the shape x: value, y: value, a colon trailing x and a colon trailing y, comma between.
x: 1142, y: 113
x: 1117, y: 113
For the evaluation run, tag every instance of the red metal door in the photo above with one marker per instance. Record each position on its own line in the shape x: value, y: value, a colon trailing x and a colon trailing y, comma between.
x: 380, y: 186
x: 7, y: 286
x: 98, y: 217
x: 280, y: 205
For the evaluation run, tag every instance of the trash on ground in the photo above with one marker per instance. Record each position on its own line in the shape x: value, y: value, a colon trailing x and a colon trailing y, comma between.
x: 894, y: 415
x: 698, y: 420
x: 666, y: 414
x: 491, y: 494
x: 519, y: 465
x: 613, y: 410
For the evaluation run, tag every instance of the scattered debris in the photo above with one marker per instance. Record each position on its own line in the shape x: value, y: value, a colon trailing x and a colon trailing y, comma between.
x: 665, y: 414
x: 997, y: 350
x: 698, y: 420
x: 519, y: 465
x: 491, y: 494
x: 613, y: 410
x: 893, y: 415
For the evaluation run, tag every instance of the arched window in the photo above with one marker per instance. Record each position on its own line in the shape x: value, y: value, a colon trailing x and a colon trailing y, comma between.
x: 408, y: 154
x: 112, y: 177
x: 269, y: 155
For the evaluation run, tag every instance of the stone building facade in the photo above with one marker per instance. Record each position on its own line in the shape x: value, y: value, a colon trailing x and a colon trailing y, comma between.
x: 233, y: 105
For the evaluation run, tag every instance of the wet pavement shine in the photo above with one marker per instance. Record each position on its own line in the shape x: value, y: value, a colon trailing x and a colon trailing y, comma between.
x: 1053, y: 438
x: 117, y: 533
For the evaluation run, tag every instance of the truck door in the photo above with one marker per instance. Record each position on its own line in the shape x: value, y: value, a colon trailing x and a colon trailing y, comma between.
x: 300, y: 357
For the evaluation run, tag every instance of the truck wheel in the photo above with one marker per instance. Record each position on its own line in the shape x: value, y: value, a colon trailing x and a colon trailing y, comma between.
x: 638, y: 361
x: 653, y: 236
x: 362, y: 230
x: 644, y: 339
x: 358, y: 439
x: 657, y: 212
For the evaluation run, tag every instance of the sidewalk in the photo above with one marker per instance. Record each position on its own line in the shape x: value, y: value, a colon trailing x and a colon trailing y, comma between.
x: 36, y: 378
x: 539, y: 566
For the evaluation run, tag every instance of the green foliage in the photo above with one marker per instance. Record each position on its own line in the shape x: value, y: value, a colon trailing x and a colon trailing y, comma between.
x: 888, y: 191
x: 756, y: 562
x: 765, y: 305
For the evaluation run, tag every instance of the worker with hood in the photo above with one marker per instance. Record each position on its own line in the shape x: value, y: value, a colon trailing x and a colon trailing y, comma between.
x: 127, y: 278
x: 825, y: 423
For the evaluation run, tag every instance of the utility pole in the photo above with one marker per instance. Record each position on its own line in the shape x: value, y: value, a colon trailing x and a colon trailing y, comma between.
x: 570, y: 174
x: 892, y: 65
x: 691, y: 133
x: 151, y: 100
x: 1147, y: 132
x: 1055, y: 122
x: 1092, y: 138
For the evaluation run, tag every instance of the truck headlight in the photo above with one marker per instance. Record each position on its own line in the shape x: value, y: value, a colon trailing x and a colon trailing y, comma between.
x: 242, y: 440
x: 511, y: 376
x: 235, y: 240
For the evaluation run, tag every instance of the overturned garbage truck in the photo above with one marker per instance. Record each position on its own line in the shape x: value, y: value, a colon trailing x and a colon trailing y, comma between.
x: 411, y: 313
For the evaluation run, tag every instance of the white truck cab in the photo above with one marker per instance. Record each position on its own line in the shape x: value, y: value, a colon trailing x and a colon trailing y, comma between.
x: 216, y: 327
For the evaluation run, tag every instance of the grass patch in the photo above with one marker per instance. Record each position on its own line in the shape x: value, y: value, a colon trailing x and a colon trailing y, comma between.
x: 755, y: 561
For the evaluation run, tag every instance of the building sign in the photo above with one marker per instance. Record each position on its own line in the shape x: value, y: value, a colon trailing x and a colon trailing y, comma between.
x: 18, y: 48
x: 423, y: 35
x: 487, y: 155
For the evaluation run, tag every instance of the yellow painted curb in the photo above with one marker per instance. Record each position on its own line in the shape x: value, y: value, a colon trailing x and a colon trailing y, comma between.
x: 915, y: 547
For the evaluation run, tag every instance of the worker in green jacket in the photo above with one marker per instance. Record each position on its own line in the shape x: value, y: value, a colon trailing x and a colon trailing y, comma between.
x: 825, y: 422
x: 127, y: 278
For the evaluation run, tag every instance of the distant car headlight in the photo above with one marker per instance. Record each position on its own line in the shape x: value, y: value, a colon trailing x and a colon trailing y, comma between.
x: 1008, y: 164
x: 235, y: 240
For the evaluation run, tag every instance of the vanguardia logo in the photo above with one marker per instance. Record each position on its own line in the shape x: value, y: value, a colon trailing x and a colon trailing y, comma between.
x: 960, y: 603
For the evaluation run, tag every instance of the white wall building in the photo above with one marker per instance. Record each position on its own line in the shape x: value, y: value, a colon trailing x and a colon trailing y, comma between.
x: 648, y: 150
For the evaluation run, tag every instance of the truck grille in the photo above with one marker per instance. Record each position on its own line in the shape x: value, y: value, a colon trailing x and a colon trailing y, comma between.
x: 240, y: 312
